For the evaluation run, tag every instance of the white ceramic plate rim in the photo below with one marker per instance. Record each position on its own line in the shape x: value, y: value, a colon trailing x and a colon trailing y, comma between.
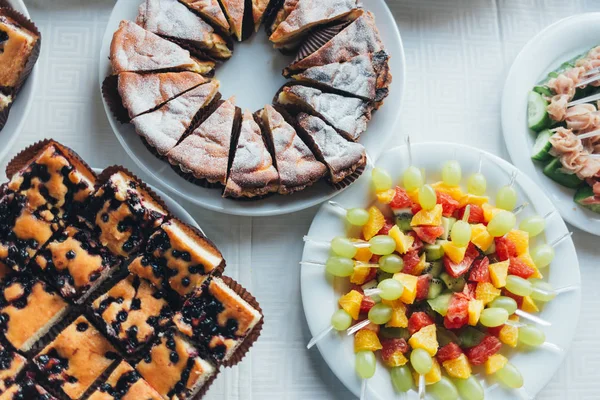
x: 545, y: 52
x: 319, y: 300
x: 272, y: 205
x: 22, y: 105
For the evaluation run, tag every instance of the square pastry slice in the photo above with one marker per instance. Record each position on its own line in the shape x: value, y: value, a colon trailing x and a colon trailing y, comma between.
x: 218, y: 318
x: 75, y: 263
x: 174, y: 368
x: 28, y: 309
x: 132, y: 312
x: 179, y: 257
x: 125, y: 383
x: 124, y: 214
x: 16, y: 45
x: 11, y: 364
x: 75, y: 358
x: 26, y: 390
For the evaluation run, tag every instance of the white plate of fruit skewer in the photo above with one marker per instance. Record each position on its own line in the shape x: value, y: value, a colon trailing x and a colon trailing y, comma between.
x: 530, y: 367
x: 560, y: 42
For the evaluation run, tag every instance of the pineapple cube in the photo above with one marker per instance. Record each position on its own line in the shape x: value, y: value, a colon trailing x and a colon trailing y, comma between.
x: 410, y: 287
x: 399, y: 318
x: 360, y: 274
x: 489, y: 211
x: 509, y: 334
x: 458, y: 367
x: 494, y: 363
x: 433, y: 376
x: 472, y: 199
x: 455, y: 253
x: 486, y: 292
x: 386, y: 196
x: 453, y: 191
x: 366, y: 340
x: 426, y: 339
x: 362, y: 253
x: 520, y: 240
x: 374, y: 224
x: 529, y: 305
x: 498, y: 273
x: 480, y: 237
x: 413, y: 195
x: 474, y: 310
x: 526, y: 258
x: 350, y: 302
x: 431, y: 217
x: 403, y: 242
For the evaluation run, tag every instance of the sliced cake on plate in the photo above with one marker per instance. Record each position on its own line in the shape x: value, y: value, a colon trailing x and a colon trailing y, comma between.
x: 211, y: 10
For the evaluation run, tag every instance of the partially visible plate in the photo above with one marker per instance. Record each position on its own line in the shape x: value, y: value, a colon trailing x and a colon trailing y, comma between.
x: 254, y: 74
x: 320, y: 292
x: 545, y: 52
x: 22, y: 105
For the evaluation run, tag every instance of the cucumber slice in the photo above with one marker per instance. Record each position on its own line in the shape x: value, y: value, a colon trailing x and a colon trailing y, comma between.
x: 394, y: 333
x: 433, y: 252
x: 454, y: 284
x: 470, y: 337
x: 552, y: 171
x: 436, y: 287
x: 537, y: 117
x: 403, y: 218
x: 542, y: 146
x: 441, y: 303
x: 447, y: 224
x: 434, y: 268
x: 587, y: 193
x: 543, y: 90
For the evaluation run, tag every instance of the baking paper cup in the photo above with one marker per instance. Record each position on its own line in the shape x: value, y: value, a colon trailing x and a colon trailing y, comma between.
x: 110, y: 93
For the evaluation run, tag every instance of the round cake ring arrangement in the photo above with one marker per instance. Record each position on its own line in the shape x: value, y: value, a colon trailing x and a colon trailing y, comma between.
x: 104, y: 293
x: 160, y: 81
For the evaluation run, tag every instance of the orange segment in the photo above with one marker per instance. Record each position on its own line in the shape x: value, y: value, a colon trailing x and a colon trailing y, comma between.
x: 374, y: 224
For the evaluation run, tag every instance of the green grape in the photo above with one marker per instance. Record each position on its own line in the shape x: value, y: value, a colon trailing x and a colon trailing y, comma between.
x: 506, y: 198
x: 357, y: 216
x: 470, y: 388
x: 492, y: 317
x: 365, y: 364
x: 510, y: 376
x: 533, y: 225
x: 392, y: 263
x: 542, y: 255
x: 381, y: 179
x: 544, y: 286
x: 412, y: 178
x: 339, y: 266
x: 531, y: 336
x: 391, y: 289
x: 382, y: 245
x: 341, y: 320
x: 451, y: 173
x: 427, y: 197
x: 421, y: 361
x: 461, y: 233
x: 402, y: 378
x: 519, y: 286
x: 505, y: 302
x: 501, y: 223
x: 443, y: 389
x: 380, y: 314
x: 343, y: 247
x: 477, y: 184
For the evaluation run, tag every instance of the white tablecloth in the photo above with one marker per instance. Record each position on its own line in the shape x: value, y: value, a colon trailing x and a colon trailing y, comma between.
x: 458, y: 54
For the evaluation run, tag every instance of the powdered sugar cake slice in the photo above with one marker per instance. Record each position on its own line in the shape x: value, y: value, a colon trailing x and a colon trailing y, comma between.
x: 309, y: 13
x: 282, y: 13
x: 144, y: 92
x: 211, y: 10
x: 296, y: 164
x: 341, y: 156
x: 172, y: 19
x: 349, y: 115
x: 258, y: 11
x: 234, y: 9
x: 205, y: 152
x: 163, y: 127
x: 252, y: 172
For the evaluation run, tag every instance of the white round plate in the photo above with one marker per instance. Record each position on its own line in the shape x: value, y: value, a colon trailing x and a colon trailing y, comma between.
x: 253, y: 75
x: 551, y: 47
x: 320, y: 292
x: 22, y: 105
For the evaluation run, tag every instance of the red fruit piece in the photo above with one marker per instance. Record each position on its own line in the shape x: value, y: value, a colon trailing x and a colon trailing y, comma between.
x: 391, y: 346
x: 475, y: 214
x: 480, y: 353
x: 411, y: 259
x: 423, y: 286
x: 472, y: 251
x: 374, y: 260
x: 455, y: 270
x: 388, y: 224
x: 372, y: 275
x: 449, y: 205
x: 401, y: 199
x: 449, y: 352
x: 505, y: 249
x: 428, y: 234
x: 469, y: 290
x: 366, y: 304
x: 480, y: 271
x: 417, y: 244
x: 417, y: 321
x: 458, y: 312
x: 415, y: 208
x: 519, y: 268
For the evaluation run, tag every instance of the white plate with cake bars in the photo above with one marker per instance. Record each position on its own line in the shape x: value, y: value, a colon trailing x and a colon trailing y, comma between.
x: 321, y: 292
x: 22, y: 104
x: 254, y: 75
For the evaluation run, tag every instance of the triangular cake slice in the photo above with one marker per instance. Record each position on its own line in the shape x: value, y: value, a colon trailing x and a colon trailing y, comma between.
x: 360, y: 37
x: 205, y: 152
x: 162, y: 128
x: 281, y: 14
x: 171, y: 19
x: 348, y: 115
x: 366, y: 76
x: 141, y: 93
x: 134, y: 49
x: 310, y: 13
x: 234, y: 9
x: 252, y: 172
x: 211, y: 10
x: 341, y: 156
x: 297, y: 166
x: 258, y: 11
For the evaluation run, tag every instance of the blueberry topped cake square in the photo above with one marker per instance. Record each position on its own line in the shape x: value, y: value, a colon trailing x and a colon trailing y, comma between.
x: 133, y: 310
x: 28, y: 309
x: 16, y: 46
x: 11, y: 364
x: 125, y: 383
x: 76, y: 358
x: 177, y: 256
x: 124, y: 213
x: 218, y: 318
x: 26, y: 390
x: 75, y: 263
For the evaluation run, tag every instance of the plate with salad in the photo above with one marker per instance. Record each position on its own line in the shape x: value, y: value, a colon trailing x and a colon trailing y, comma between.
x: 452, y: 275
x: 550, y: 116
